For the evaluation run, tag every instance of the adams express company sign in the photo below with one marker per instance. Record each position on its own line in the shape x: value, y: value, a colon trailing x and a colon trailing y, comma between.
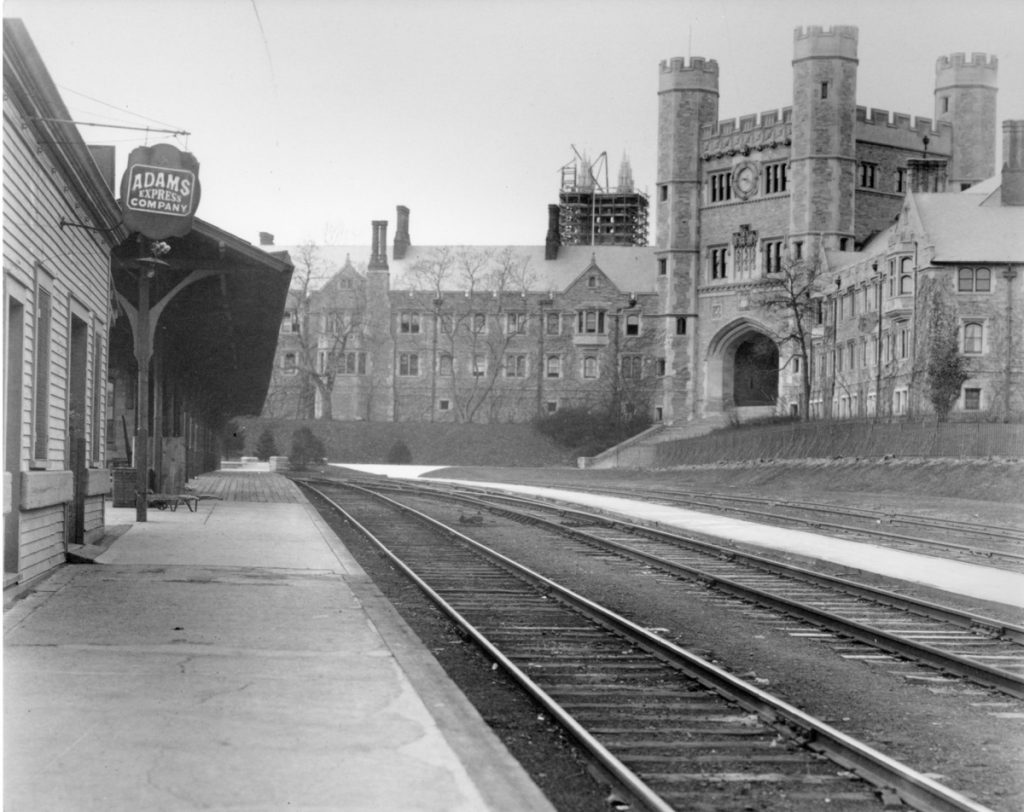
x: 160, y: 191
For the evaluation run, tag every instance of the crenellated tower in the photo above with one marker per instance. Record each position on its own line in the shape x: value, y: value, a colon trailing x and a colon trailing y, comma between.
x: 965, y: 96
x: 687, y: 101
x: 823, y: 159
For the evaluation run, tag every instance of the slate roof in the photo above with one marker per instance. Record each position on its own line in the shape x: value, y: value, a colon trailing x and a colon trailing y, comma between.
x: 963, y: 229
x: 633, y: 269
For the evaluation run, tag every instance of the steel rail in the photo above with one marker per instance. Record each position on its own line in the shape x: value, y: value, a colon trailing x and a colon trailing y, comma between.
x: 990, y: 676
x: 622, y: 775
x: 1001, y: 533
x: 913, y: 787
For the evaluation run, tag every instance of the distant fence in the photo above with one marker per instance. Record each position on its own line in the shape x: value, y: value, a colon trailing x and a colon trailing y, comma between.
x: 845, y: 439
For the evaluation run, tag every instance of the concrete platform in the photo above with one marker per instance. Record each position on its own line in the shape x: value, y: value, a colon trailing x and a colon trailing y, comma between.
x: 971, y: 580
x: 235, y: 657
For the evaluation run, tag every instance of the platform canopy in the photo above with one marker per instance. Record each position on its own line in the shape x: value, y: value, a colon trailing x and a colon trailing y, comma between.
x: 216, y: 303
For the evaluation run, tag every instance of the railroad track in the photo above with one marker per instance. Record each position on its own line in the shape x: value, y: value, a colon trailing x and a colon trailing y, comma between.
x: 998, y: 546
x: 981, y: 649
x: 669, y: 729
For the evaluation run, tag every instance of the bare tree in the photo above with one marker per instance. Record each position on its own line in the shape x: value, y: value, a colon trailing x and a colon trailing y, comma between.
x: 792, y: 296
x: 479, y: 308
x: 329, y: 310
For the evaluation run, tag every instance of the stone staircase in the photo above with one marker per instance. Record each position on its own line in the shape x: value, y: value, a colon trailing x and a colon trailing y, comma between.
x: 638, y: 451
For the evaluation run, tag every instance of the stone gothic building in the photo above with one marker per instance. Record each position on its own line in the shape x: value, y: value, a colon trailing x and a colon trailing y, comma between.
x: 800, y: 259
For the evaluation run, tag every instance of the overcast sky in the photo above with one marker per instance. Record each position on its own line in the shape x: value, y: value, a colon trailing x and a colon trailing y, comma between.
x: 310, y: 118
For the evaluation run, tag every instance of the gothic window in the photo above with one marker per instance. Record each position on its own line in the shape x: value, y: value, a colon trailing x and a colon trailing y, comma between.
x: 552, y: 323
x: 721, y: 186
x: 515, y: 366
x: 901, y: 180
x: 973, y: 338
x: 352, y: 363
x: 716, y: 258
x: 773, y: 256
x: 479, y: 365
x: 408, y: 364
x: 906, y: 277
x: 408, y: 322
x: 553, y: 366
x: 866, y: 175
x: 632, y: 367
x: 632, y: 324
x: 972, y: 400
x: 516, y: 322
x: 445, y: 365
x: 590, y: 322
x: 775, y: 178
x: 974, y: 280
x: 590, y: 366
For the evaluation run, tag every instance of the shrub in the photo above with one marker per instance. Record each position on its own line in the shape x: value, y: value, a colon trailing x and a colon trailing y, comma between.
x: 589, y: 431
x: 399, y: 453
x: 306, y: 448
x: 266, y: 446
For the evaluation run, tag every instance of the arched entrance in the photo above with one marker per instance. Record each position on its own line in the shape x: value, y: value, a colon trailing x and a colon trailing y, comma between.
x: 741, y: 368
x: 756, y: 372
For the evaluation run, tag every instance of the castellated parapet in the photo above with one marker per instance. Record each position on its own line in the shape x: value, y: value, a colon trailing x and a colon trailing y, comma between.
x: 769, y: 130
x: 956, y: 69
x: 833, y: 41
x: 899, y: 130
x: 700, y: 74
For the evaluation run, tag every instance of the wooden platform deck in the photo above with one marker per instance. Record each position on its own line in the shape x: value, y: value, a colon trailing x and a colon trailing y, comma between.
x: 246, y: 486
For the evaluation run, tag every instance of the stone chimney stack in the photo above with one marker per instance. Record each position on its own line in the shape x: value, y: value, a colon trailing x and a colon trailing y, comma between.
x: 927, y: 174
x: 552, y: 240
x: 1012, y: 187
x: 266, y: 238
x: 402, y: 241
x: 379, y: 251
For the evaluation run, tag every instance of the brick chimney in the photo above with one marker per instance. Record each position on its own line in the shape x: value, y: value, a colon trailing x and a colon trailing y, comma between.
x: 402, y: 241
x: 1012, y: 187
x: 552, y: 240
x: 927, y: 174
x: 266, y: 238
x: 379, y: 251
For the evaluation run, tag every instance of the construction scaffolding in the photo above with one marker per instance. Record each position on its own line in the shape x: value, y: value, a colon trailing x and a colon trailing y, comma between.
x: 592, y: 213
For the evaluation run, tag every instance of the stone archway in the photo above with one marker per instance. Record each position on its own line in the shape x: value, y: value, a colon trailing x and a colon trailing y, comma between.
x: 741, y: 368
x: 756, y: 372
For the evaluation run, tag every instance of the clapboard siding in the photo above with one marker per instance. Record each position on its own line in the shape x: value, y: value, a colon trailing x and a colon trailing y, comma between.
x: 49, y: 178
x: 42, y: 540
